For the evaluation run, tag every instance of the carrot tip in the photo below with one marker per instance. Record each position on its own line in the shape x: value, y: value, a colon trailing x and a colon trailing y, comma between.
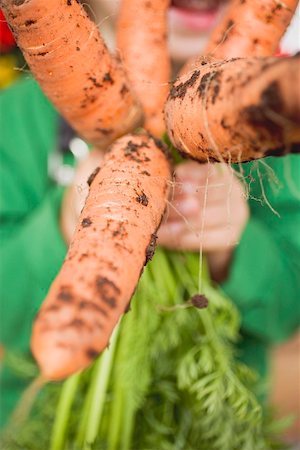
x: 54, y: 362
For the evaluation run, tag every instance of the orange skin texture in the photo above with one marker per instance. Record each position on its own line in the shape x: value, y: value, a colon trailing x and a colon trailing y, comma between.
x: 123, y: 210
x: 251, y: 28
x: 142, y: 43
x: 70, y: 61
x: 236, y: 110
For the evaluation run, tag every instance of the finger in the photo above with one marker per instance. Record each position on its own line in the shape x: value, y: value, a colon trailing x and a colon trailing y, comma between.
x: 183, y: 210
x: 191, y: 170
x: 191, y: 211
x: 213, y: 188
x: 215, y: 240
x: 169, y: 233
x: 82, y: 174
x: 193, y: 207
x: 201, y: 195
x: 227, y: 192
x: 196, y: 172
x: 208, y: 240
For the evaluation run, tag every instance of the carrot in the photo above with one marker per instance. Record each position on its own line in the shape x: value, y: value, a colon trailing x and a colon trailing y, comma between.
x: 70, y: 61
x: 251, y: 28
x: 142, y: 42
x: 245, y: 111
x: 114, y: 240
x: 248, y: 28
x: 236, y: 110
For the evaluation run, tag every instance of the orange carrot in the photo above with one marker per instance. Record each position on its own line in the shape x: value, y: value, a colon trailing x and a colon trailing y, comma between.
x: 244, y: 111
x: 251, y: 28
x: 142, y: 42
x: 236, y: 110
x: 74, y: 68
x: 114, y: 240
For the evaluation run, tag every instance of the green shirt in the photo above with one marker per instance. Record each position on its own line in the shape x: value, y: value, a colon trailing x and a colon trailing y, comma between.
x: 264, y: 281
x: 32, y: 248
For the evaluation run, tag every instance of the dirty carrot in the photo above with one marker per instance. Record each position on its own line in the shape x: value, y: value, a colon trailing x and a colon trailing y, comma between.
x: 113, y: 241
x: 251, y: 28
x: 142, y: 43
x: 70, y: 61
x: 236, y: 110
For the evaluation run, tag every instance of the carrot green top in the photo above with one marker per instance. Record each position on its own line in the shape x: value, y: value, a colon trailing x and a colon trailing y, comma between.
x: 264, y: 280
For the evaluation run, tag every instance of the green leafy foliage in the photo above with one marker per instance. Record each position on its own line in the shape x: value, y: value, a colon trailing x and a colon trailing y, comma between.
x: 169, y: 381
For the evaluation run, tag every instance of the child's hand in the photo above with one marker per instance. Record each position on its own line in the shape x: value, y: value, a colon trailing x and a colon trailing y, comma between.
x: 208, y: 207
x: 76, y: 194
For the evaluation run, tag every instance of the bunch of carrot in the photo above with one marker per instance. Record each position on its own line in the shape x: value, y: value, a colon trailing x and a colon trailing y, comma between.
x: 104, y: 99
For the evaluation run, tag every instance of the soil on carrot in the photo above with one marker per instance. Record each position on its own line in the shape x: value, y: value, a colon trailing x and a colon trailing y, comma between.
x: 150, y: 250
x: 124, y: 90
x: 143, y: 199
x: 92, y: 176
x: 19, y: 2
x: 120, y: 231
x: 86, y: 222
x: 258, y: 115
x: 107, y: 77
x: 85, y: 304
x: 107, y: 290
x: 65, y: 295
x: 180, y: 90
x: 91, y: 353
x: 132, y: 151
x: 29, y: 22
x: 95, y: 82
x: 216, y: 86
x: 206, y: 80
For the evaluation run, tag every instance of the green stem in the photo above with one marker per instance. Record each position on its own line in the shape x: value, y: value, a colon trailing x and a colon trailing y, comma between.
x: 63, y: 412
x: 118, y: 413
x: 165, y: 270
x: 184, y: 276
x: 163, y: 279
x: 193, y: 266
x: 86, y: 407
x: 114, y: 433
x: 128, y: 424
x: 99, y: 392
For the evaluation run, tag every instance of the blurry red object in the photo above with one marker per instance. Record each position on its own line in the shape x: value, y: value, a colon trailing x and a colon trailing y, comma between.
x: 7, y: 41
